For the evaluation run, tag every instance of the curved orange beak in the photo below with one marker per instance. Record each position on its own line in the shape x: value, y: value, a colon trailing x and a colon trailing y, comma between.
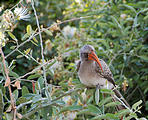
x: 93, y: 56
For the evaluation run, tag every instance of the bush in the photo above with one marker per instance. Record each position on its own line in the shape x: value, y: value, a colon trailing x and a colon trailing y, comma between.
x: 39, y: 46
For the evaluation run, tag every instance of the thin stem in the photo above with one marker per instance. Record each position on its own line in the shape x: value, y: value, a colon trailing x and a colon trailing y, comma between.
x: 33, y: 71
x: 123, y: 103
x: 16, y: 4
x: 7, y: 83
x: 41, y: 42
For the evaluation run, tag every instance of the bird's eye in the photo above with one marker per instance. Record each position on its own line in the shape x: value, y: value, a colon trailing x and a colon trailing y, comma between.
x: 84, y: 55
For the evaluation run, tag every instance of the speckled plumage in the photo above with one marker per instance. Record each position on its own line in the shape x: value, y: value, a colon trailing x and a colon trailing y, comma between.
x: 91, y: 75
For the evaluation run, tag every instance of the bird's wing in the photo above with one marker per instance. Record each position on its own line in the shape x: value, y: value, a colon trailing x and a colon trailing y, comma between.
x: 106, y: 71
x: 78, y: 65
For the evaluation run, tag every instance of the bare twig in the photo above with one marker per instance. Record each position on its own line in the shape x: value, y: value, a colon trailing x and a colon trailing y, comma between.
x: 41, y: 42
x: 123, y: 103
x: 7, y: 83
x: 16, y: 4
x: 33, y: 71
x: 24, y: 80
x: 23, y: 104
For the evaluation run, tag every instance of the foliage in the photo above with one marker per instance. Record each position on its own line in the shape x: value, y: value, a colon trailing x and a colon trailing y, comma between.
x: 41, y: 67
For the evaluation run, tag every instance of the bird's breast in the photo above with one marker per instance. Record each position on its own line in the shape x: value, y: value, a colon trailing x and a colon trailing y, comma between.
x: 89, y: 77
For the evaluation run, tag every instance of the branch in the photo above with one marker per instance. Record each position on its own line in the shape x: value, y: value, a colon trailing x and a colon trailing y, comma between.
x: 41, y: 42
x: 7, y: 83
x: 51, y: 103
x: 31, y: 72
x: 123, y: 103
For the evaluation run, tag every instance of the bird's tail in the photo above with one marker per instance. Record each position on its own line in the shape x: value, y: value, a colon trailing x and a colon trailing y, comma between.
x: 118, y: 96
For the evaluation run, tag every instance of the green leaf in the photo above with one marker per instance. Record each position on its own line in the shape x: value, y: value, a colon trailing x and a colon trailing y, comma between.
x: 33, y: 76
x: 129, y: 7
x: 40, y: 82
x: 85, y: 111
x: 12, y: 47
x: 106, y: 91
x: 36, y: 98
x: 136, y: 104
x: 27, y: 51
x: 111, y: 104
x: 97, y: 96
x: 47, y: 93
x: 90, y: 99
x: 34, y: 43
x: 115, y: 20
x: 144, y: 57
x: 25, y: 37
x: 19, y: 56
x: 29, y: 95
x: 123, y: 112
x: 70, y: 108
x: 25, y: 91
x: 107, y: 116
x: 105, y: 100
x: 48, y: 32
x: 11, y: 73
x: 12, y: 36
x: 35, y: 40
x: 29, y: 29
x: 1, y: 103
x: 46, y: 112
x: 94, y: 109
x: 15, y: 93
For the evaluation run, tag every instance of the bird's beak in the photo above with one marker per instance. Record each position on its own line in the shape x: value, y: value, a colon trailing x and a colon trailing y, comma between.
x: 93, y: 56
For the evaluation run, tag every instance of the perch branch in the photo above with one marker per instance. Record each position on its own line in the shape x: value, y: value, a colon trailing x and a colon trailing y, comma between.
x: 123, y: 103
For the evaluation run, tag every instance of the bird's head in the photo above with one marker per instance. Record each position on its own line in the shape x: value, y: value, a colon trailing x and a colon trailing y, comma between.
x: 87, y: 53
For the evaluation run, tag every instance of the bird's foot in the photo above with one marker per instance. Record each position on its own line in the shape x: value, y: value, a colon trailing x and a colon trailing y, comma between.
x: 99, y: 86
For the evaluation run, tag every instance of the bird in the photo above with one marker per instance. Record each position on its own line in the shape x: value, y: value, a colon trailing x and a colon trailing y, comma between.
x: 94, y: 72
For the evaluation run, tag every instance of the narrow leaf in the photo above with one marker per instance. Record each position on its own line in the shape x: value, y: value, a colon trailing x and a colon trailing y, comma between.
x: 33, y: 76
x: 97, y: 96
x: 94, y: 109
x: 15, y: 93
x: 48, y: 32
x: 71, y: 108
x: 1, y: 103
x: 136, y: 104
x: 111, y: 104
x: 25, y: 91
x: 12, y: 36
x: 29, y: 29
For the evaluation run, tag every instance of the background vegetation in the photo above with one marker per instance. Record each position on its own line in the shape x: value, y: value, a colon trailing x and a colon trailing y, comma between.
x: 44, y: 82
